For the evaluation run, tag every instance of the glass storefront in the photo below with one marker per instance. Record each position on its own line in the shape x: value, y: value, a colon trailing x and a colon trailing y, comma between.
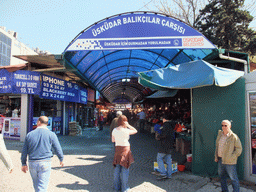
x: 252, y: 104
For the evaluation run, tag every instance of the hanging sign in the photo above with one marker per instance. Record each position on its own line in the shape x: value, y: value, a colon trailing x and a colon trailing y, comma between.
x: 58, y: 89
x: 83, y: 95
x: 140, y: 31
x: 5, y: 81
x: 26, y: 82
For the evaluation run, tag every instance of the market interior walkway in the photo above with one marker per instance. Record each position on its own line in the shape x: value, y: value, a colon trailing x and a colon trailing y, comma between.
x: 88, y: 167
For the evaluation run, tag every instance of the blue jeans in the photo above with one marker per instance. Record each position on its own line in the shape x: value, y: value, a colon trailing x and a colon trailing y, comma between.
x: 228, y: 170
x: 40, y: 172
x: 161, y: 157
x: 121, y: 175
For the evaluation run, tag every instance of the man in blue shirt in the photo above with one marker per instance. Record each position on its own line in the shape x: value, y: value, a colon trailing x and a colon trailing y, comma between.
x: 38, y: 146
x: 142, y: 117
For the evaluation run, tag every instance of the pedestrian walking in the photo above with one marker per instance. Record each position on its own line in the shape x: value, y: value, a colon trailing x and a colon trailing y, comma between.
x: 4, y: 155
x: 123, y: 156
x: 166, y: 145
x: 228, y: 149
x: 37, y: 146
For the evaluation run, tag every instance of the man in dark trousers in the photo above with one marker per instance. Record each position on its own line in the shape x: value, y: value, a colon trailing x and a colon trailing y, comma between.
x: 166, y: 145
x: 38, y: 146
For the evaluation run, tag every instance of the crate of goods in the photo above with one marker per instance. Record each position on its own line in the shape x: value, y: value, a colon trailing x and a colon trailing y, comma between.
x: 174, y: 166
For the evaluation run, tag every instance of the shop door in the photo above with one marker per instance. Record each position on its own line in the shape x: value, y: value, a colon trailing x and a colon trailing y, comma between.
x: 70, y: 115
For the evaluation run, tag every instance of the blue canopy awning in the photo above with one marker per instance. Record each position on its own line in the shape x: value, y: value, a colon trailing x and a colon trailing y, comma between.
x: 188, y: 75
x: 162, y: 94
x: 109, y: 54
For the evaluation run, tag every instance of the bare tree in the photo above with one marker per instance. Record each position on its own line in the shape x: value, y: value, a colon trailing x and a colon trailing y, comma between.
x: 188, y: 10
x: 185, y: 10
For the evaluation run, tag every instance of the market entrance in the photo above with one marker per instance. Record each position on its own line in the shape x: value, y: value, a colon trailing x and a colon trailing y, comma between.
x: 111, y: 54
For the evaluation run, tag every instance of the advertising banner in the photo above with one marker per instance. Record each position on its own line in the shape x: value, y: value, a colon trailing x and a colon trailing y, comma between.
x: 5, y: 81
x: 83, y: 95
x: 26, y: 82
x: 58, y: 89
x: 140, y: 31
x: 91, y: 95
x: 19, y: 82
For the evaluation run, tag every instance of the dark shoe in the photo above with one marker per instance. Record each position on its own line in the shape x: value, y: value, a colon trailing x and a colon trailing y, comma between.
x: 163, y: 177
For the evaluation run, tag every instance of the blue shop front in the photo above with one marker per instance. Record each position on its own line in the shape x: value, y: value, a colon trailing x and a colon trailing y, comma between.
x: 26, y: 95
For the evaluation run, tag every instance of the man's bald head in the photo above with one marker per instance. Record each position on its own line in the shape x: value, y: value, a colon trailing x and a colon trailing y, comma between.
x: 43, y: 120
x: 227, y: 121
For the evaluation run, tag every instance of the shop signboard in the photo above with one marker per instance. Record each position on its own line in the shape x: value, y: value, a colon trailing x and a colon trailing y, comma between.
x: 5, y: 81
x: 83, y: 95
x: 19, y: 82
x: 26, y: 82
x: 140, y: 31
x: 91, y: 95
x: 58, y: 89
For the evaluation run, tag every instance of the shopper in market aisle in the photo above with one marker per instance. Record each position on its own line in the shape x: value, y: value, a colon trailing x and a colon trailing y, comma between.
x: 37, y: 146
x: 228, y: 149
x: 4, y: 155
x: 166, y: 144
x: 123, y: 156
x: 101, y: 121
x: 142, y: 120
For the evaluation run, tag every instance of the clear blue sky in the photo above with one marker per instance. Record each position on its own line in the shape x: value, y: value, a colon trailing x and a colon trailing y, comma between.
x: 52, y: 24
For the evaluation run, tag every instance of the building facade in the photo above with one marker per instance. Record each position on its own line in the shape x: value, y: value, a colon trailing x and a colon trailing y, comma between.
x: 9, y: 46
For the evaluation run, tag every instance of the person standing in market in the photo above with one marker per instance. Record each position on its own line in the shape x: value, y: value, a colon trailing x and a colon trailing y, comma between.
x: 142, y: 120
x: 38, y: 147
x: 228, y: 149
x: 114, y: 123
x: 4, y: 155
x: 101, y: 121
x: 166, y: 145
x: 123, y: 156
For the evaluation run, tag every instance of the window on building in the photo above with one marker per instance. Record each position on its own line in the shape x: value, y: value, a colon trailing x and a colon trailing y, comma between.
x: 5, y: 50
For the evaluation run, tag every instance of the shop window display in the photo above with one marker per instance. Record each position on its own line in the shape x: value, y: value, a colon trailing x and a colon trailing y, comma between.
x: 252, y: 100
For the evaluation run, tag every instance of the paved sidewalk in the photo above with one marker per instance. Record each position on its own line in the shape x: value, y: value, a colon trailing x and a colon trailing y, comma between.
x: 88, y: 167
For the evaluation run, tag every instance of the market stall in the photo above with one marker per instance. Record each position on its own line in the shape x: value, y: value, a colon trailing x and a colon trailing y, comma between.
x: 213, y: 98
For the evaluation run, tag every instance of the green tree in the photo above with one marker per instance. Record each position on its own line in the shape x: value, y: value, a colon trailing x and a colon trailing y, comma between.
x: 226, y: 24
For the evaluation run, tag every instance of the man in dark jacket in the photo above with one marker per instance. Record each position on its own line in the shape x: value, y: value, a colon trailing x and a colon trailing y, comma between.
x: 166, y: 144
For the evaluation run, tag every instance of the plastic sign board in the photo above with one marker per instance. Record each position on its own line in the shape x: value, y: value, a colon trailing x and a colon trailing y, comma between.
x: 83, y: 95
x: 19, y: 82
x: 5, y: 81
x: 140, y: 31
x: 58, y: 89
x: 26, y: 82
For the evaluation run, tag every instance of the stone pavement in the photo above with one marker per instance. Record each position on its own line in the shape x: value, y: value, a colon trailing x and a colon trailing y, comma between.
x: 88, y: 167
